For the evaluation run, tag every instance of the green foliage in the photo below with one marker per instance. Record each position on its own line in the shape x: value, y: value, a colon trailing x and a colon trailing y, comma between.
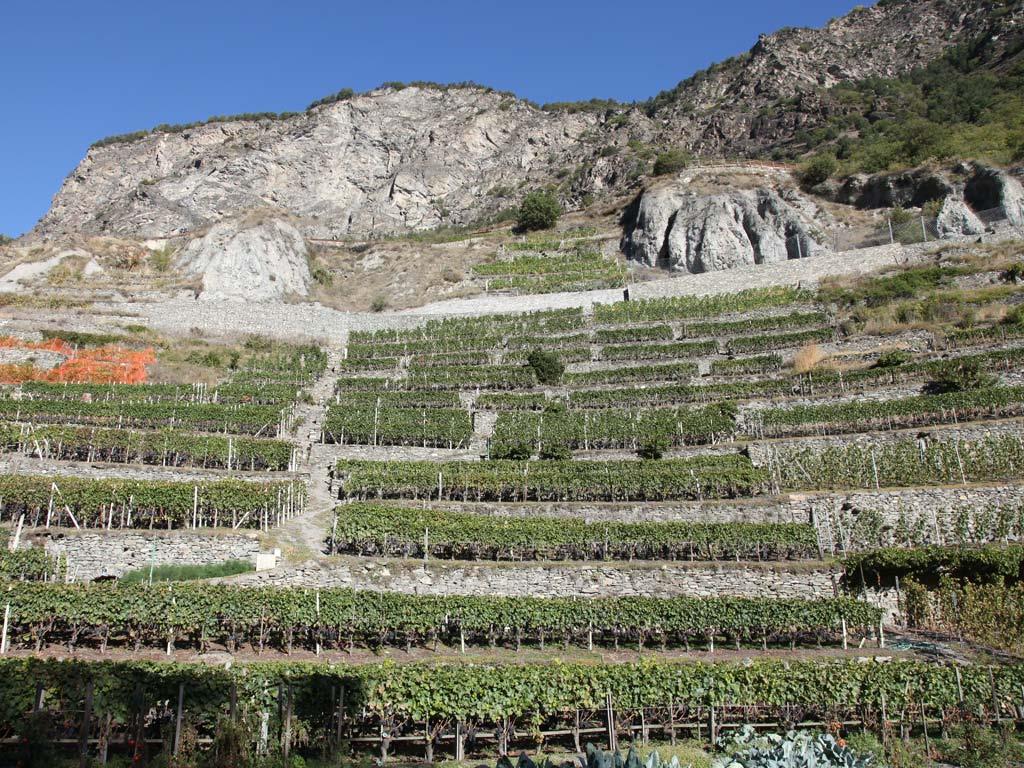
x: 603, y: 429
x: 892, y: 358
x: 368, y: 528
x: 672, y: 161
x: 861, y: 416
x: 231, y: 418
x: 486, y: 693
x: 899, y: 216
x: 5, y: 239
x: 379, y: 304
x: 749, y: 325
x: 577, y: 270
x: 343, y: 95
x: 166, y: 447
x: 589, y: 105
x: 28, y: 564
x: 929, y: 565
x: 679, y: 307
x: 83, y: 339
x: 161, y: 503
x: 507, y: 401
x: 976, y: 746
x: 370, y: 424
x: 900, y: 464
x: 742, y: 366
x: 543, y: 322
x: 668, y: 479
x: 192, y: 611
x: 747, y: 344
x: 652, y: 447
x: 968, y: 103
x: 671, y: 351
x: 818, y: 170
x: 546, y: 366
x: 170, y: 572
x: 539, y: 210
x: 160, y: 260
x: 124, y: 138
x: 991, y: 614
x: 633, y: 333
x: 964, y: 376
x: 470, y: 377
x: 908, y: 283
x: 322, y: 276
x: 633, y: 374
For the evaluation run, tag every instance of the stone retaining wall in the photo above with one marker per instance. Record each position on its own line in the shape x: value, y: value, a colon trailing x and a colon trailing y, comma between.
x: 554, y: 579
x: 93, y: 554
x: 759, y: 452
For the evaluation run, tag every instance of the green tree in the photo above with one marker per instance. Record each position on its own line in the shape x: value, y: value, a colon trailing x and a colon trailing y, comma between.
x: 546, y: 366
x: 817, y: 170
x: 672, y: 161
x: 652, y: 447
x: 539, y: 210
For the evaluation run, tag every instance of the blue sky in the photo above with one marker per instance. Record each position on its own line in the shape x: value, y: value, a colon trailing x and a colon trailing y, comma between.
x: 72, y: 72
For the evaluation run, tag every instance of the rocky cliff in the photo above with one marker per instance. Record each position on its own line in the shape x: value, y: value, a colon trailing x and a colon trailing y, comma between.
x: 414, y: 158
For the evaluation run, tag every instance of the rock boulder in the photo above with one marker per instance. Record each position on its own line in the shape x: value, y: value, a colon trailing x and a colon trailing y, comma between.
x: 956, y: 219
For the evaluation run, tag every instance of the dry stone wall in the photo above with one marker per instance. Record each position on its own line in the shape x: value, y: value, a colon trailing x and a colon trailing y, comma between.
x: 92, y: 554
x: 554, y: 579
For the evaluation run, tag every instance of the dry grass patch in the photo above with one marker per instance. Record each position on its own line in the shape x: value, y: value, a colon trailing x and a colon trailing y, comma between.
x: 808, y: 358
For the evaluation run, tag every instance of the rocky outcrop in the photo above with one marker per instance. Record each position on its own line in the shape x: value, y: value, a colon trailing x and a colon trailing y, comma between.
x: 413, y: 158
x: 683, y: 230
x: 957, y: 219
x: 250, y: 259
x: 992, y: 188
x: 904, y: 189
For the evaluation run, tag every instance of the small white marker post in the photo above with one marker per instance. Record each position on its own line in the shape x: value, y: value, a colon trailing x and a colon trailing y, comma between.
x: 3, y: 634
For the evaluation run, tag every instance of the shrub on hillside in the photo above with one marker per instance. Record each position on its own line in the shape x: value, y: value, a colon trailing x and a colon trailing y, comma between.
x: 652, y: 447
x: 539, y: 210
x: 546, y: 365
x: 960, y: 376
x: 818, y: 170
x: 892, y: 358
x: 672, y: 161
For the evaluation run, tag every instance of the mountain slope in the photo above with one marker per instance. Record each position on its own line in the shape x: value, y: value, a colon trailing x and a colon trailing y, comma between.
x: 413, y: 158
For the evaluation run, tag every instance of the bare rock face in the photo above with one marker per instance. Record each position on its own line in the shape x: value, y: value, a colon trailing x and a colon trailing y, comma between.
x: 957, y: 219
x: 398, y: 159
x: 388, y: 161
x: 249, y: 260
x: 685, y: 231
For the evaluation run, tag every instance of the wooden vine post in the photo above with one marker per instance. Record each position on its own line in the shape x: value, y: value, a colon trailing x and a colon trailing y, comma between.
x: 613, y: 742
x: 178, y: 717
x: 83, y: 731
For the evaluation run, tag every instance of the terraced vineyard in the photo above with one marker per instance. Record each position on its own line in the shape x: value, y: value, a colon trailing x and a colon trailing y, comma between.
x: 693, y: 481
